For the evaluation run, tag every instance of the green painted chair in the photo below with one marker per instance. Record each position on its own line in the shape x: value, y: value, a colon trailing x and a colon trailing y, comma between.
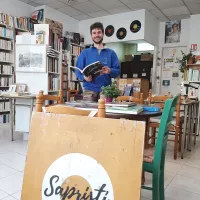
x: 154, y: 156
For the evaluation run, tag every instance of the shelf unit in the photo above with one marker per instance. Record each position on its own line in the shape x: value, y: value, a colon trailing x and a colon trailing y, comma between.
x: 6, y: 68
x: 73, y: 83
x: 191, y: 87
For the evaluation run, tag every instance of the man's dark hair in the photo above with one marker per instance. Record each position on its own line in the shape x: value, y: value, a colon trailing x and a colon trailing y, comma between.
x: 98, y: 25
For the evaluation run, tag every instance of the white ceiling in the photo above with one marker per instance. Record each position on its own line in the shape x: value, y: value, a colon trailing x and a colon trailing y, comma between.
x: 86, y: 9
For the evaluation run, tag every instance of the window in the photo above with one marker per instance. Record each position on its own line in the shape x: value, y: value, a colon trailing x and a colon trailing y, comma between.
x: 145, y: 47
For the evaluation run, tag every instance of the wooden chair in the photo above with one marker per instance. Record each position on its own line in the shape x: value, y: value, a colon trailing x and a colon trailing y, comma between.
x: 176, y: 125
x: 63, y: 109
x: 154, y: 156
x: 131, y: 99
x: 41, y: 98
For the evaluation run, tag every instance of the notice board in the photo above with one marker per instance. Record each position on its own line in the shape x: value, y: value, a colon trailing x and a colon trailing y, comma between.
x: 83, y: 158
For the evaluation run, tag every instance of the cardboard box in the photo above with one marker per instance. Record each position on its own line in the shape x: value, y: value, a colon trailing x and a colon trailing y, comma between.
x: 146, y: 57
x: 128, y: 57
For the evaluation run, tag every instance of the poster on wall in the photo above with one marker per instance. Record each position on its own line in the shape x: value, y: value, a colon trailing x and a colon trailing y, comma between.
x: 31, y: 58
x: 172, y: 31
x: 56, y: 27
x: 175, y: 75
x: 171, y: 75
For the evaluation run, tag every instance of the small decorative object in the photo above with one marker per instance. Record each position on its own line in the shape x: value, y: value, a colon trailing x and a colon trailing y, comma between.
x: 12, y: 88
x: 110, y: 91
x: 109, y: 30
x: 197, y: 59
x: 186, y: 59
x: 121, y: 33
x: 135, y: 26
x: 18, y: 89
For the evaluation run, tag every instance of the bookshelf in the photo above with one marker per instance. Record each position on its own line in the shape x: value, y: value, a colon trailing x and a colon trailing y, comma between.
x: 191, y: 86
x: 74, y: 84
x: 6, y: 67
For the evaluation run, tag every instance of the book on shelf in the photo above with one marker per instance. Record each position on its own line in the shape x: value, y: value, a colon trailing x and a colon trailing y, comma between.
x: 128, y: 90
x: 4, y: 106
x: 193, y: 75
x: 76, y: 50
x: 54, y: 40
x: 4, y: 118
x: 6, y: 57
x: 52, y: 64
x: 6, y: 69
x: 6, y: 45
x: 121, y: 104
x: 134, y: 110
x: 53, y: 83
x: 7, y: 33
x: 93, y: 69
x: 40, y: 37
x: 6, y: 19
x: 6, y: 81
x: 25, y: 23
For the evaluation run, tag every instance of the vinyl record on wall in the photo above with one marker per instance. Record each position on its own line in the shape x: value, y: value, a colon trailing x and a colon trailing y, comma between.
x: 109, y: 30
x: 135, y: 26
x: 121, y: 33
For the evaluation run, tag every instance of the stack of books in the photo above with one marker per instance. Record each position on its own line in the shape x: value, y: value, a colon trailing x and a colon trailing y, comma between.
x: 124, y: 108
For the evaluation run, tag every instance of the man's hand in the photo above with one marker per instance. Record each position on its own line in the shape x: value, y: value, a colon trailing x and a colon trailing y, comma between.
x: 88, y: 78
x: 105, y: 70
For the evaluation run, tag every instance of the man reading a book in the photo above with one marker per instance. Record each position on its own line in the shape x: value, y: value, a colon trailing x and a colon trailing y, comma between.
x: 97, y: 52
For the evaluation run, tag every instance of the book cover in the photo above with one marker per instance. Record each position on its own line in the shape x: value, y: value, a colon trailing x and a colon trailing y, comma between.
x: 134, y: 110
x: 94, y: 69
x: 121, y: 104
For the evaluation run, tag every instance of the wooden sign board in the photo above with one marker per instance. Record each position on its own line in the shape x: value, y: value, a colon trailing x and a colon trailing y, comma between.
x: 83, y: 158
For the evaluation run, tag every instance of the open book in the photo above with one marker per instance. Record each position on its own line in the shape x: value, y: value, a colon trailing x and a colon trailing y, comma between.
x: 92, y: 69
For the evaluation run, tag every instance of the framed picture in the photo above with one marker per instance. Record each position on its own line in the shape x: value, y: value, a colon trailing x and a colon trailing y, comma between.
x: 172, y: 31
x: 31, y: 58
x: 12, y: 88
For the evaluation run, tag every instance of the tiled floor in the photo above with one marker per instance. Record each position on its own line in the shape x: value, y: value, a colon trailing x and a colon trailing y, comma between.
x: 182, y: 177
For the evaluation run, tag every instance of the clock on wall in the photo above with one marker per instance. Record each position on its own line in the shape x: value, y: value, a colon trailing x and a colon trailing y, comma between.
x: 109, y: 30
x: 121, y: 33
x: 135, y: 26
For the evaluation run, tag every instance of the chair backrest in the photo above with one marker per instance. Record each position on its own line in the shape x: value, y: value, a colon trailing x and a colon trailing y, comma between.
x: 159, y: 100
x: 131, y: 99
x: 41, y: 98
x: 161, y: 142
x: 63, y: 109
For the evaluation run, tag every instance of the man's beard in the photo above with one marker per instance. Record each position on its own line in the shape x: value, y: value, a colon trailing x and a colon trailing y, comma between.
x: 99, y: 42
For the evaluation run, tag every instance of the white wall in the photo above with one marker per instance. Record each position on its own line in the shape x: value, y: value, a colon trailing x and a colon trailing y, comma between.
x: 69, y: 23
x: 185, y: 34
x: 16, y: 8
x: 151, y: 32
x: 118, y: 21
x: 194, y: 31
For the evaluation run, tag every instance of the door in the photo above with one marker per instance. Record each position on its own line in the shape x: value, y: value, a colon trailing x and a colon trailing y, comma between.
x: 171, y: 77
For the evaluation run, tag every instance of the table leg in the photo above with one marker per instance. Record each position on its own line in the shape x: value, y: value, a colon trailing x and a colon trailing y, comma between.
x: 189, y: 127
x: 192, y: 125
x: 184, y: 131
x: 196, y: 122
x: 11, y: 119
x: 198, y: 118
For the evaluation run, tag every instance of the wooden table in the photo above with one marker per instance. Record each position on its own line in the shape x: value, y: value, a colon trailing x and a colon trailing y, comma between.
x: 11, y: 103
x: 142, y: 116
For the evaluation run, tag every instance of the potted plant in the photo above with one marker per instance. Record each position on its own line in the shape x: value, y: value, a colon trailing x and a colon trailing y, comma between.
x: 110, y: 92
x: 186, y: 59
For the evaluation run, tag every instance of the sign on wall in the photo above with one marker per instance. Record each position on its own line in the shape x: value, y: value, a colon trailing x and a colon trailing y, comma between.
x: 100, y: 161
